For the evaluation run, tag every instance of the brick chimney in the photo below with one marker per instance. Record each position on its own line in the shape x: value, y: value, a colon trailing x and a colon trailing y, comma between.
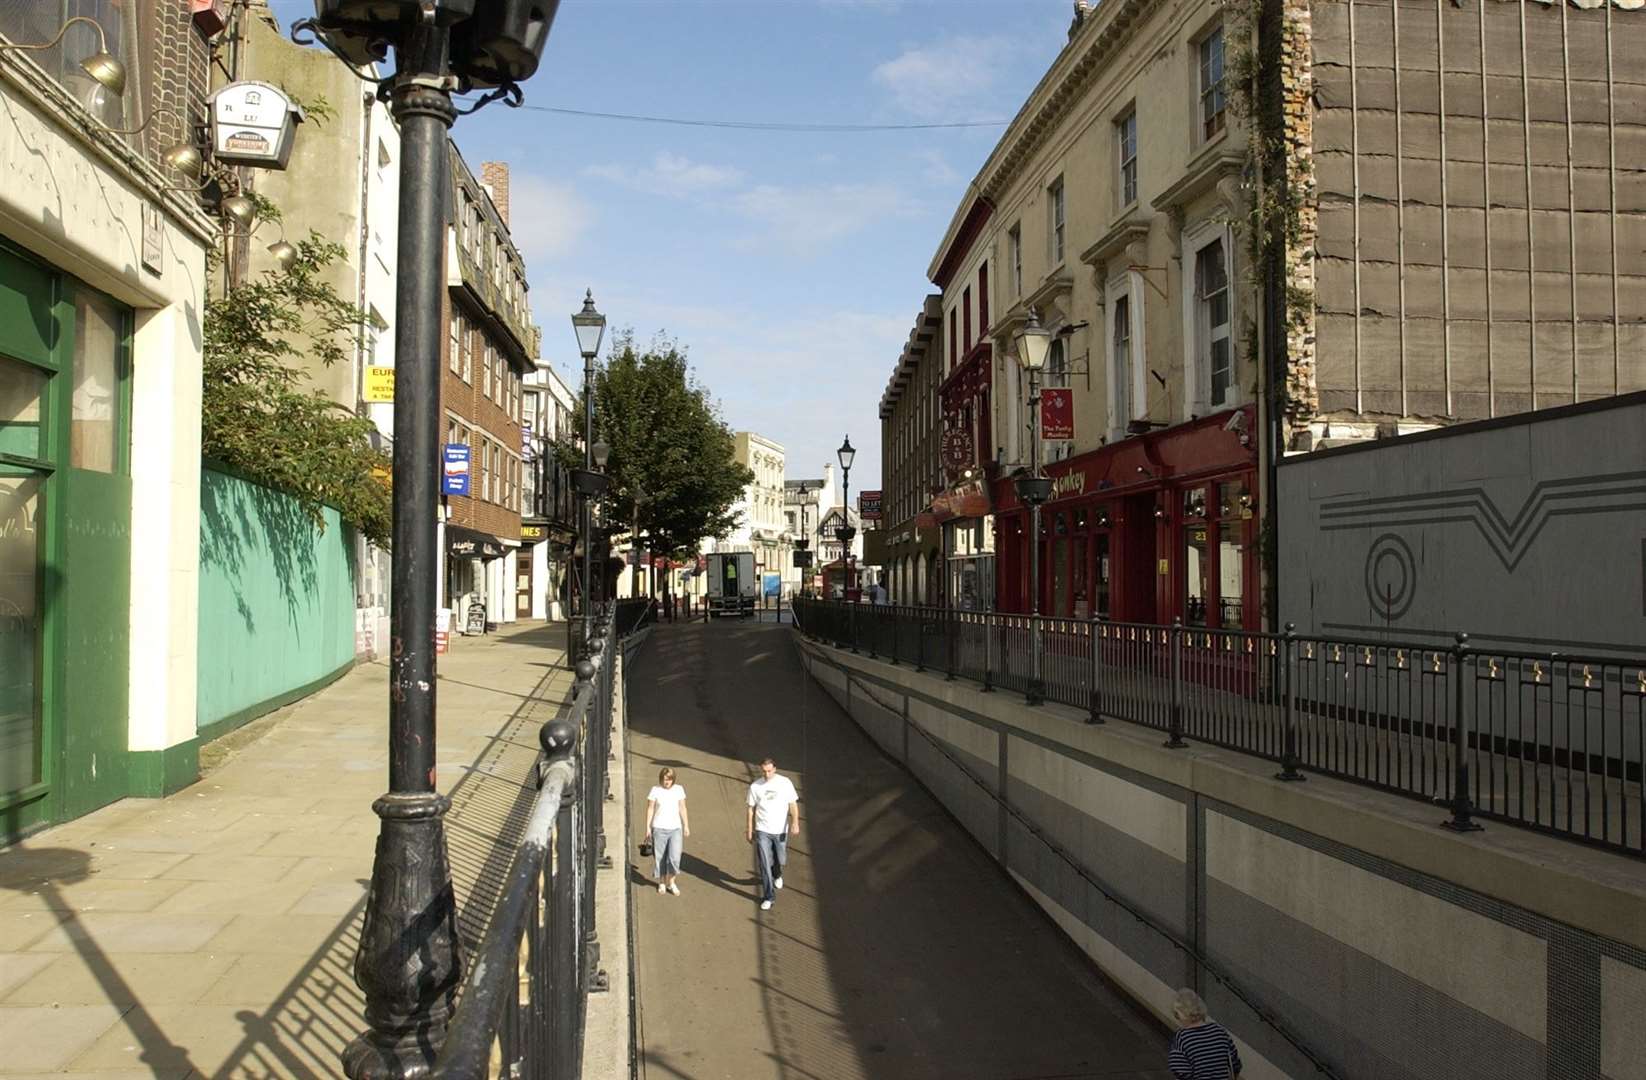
x: 495, y: 176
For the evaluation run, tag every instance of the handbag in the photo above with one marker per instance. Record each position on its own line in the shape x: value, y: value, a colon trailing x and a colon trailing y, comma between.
x: 646, y: 847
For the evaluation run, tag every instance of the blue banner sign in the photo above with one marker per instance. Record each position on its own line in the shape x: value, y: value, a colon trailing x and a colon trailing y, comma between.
x: 454, y: 470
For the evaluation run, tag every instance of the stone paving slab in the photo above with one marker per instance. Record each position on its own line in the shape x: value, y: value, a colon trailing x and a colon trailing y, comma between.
x: 212, y: 933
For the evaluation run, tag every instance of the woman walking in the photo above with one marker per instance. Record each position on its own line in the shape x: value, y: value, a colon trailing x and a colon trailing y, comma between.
x: 666, y: 823
x: 1201, y: 1049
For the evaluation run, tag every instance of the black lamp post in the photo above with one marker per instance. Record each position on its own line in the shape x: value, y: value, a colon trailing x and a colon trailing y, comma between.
x: 590, y: 326
x: 1033, y: 489
x: 409, y: 963
x: 845, y: 532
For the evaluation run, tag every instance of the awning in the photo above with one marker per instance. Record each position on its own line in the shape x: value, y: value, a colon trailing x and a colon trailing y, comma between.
x: 469, y: 543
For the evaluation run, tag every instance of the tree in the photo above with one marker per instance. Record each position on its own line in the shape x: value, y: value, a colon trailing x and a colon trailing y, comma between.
x: 668, y: 442
x: 256, y: 415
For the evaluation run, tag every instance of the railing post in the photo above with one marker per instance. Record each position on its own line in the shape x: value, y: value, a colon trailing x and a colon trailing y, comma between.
x: 988, y: 618
x: 1094, y: 699
x: 919, y: 639
x: 1175, y: 730
x: 851, y: 621
x: 951, y: 631
x: 1036, y: 693
x: 873, y: 619
x: 1462, y: 819
x: 1288, y: 754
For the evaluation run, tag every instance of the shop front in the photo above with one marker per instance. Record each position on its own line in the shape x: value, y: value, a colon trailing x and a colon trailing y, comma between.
x: 474, y: 578
x: 1154, y: 528
x: 909, y: 558
x: 964, y: 515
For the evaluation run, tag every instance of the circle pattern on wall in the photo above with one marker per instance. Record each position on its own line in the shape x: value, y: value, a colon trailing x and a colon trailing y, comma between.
x: 1391, y: 576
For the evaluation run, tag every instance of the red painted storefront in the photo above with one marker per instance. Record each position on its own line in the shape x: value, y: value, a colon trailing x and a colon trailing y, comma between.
x: 1152, y: 528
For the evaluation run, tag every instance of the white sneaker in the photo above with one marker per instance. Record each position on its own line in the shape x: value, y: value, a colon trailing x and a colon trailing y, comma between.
x: 674, y: 888
x: 765, y: 905
x: 662, y: 888
x: 777, y: 882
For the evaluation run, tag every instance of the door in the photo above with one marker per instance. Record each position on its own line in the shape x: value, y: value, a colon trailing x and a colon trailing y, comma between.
x: 1136, y: 561
x: 523, y: 584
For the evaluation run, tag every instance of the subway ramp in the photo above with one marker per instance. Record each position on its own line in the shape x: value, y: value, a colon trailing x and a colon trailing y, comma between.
x: 898, y: 949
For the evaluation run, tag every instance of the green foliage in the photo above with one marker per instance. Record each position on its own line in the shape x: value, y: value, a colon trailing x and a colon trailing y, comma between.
x: 668, y: 443
x: 257, y: 415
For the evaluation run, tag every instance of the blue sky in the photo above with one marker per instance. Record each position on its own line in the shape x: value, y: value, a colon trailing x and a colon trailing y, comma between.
x: 791, y: 265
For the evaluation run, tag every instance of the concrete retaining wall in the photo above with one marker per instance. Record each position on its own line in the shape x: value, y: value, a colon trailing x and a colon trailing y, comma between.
x: 1387, y: 946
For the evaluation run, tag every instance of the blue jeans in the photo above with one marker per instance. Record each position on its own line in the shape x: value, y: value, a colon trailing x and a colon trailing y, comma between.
x: 771, y: 851
x: 666, y: 852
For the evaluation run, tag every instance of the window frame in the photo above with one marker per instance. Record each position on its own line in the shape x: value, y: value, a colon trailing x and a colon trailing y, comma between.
x: 1210, y: 334
x: 1057, y: 220
x: 1126, y: 179
x: 1014, y: 239
x: 1210, y: 124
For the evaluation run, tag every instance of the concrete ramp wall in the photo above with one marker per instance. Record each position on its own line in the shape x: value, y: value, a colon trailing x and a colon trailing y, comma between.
x: 1377, y: 944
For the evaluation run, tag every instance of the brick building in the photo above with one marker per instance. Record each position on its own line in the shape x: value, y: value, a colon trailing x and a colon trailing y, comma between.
x: 491, y: 345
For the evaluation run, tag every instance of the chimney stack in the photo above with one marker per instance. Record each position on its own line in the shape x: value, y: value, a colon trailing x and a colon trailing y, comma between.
x: 495, y: 176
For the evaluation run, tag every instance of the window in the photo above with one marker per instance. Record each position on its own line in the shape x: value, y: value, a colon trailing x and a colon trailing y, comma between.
x: 470, y: 333
x: 454, y: 344
x: 954, y: 339
x: 966, y: 318
x: 1212, y: 295
x: 96, y: 440
x: 983, y: 300
x: 1213, y: 97
x: 1054, y: 203
x: 1126, y: 153
x: 1121, y: 363
x: 486, y: 386
x: 1014, y: 240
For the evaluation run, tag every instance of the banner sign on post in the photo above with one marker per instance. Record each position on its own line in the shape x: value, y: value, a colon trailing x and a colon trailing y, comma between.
x: 770, y: 584
x: 379, y: 386
x: 868, y: 505
x: 454, y: 472
x: 1056, y: 413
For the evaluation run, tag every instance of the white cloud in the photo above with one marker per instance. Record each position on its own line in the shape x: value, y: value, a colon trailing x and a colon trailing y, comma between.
x: 669, y: 174
x: 937, y: 172
x: 546, y: 218
x: 807, y: 221
x: 948, y: 79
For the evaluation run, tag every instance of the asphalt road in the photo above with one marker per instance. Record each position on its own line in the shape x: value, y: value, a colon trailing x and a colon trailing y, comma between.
x: 897, y: 950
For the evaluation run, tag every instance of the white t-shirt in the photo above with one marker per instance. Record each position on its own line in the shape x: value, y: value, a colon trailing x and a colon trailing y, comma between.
x: 771, y: 800
x: 668, y: 800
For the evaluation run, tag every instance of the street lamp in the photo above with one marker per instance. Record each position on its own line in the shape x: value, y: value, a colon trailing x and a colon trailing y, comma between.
x: 845, y: 532
x: 409, y: 963
x: 1033, y: 342
x: 590, y: 327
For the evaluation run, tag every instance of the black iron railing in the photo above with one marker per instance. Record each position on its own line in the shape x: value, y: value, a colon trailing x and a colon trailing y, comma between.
x: 523, y: 1003
x: 1551, y: 742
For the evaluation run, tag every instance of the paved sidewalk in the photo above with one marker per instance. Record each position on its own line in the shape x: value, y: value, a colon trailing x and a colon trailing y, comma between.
x: 212, y: 933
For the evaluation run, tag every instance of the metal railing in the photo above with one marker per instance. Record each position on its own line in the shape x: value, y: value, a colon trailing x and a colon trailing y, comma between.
x: 1548, y: 741
x: 522, y: 1006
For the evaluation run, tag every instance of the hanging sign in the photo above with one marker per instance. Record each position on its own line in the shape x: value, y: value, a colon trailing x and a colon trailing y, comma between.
x: 379, y: 384
x: 957, y: 448
x: 1056, y: 413
x: 454, y: 472
x: 868, y: 505
x: 253, y: 123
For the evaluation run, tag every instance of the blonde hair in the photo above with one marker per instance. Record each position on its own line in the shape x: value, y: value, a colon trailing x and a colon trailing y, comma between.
x: 666, y: 774
x: 1188, y: 1008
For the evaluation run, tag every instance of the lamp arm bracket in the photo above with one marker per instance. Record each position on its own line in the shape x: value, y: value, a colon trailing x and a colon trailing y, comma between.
x: 25, y: 47
x: 509, y: 93
x: 316, y: 36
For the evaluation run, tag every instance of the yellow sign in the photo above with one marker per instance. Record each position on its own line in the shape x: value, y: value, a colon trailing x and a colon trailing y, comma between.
x: 379, y: 384
x: 1165, y: 567
x: 531, y: 532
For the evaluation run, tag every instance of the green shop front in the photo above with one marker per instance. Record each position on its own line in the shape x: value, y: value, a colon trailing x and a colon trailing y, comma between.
x: 65, y: 548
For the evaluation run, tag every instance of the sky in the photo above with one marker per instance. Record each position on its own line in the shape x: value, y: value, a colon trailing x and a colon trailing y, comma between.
x: 790, y: 265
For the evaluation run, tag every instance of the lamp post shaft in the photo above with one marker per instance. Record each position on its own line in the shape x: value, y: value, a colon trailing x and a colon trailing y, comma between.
x: 409, y: 962
x: 586, y: 524
x: 1037, y: 691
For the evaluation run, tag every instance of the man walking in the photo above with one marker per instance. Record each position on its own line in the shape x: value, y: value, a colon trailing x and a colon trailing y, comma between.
x: 774, y: 816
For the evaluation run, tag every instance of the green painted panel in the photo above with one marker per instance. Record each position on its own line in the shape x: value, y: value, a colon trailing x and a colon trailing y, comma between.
x: 157, y: 773
x: 28, y: 327
x: 276, y: 598
x: 93, y: 590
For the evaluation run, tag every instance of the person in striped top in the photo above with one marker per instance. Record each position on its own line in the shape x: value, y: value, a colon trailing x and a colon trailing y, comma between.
x: 1201, y: 1049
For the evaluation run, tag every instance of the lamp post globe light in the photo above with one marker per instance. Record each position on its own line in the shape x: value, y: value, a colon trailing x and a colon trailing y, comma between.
x: 409, y: 964
x: 1033, y: 342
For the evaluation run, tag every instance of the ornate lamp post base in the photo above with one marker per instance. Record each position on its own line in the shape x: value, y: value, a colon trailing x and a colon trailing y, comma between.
x: 409, y: 963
